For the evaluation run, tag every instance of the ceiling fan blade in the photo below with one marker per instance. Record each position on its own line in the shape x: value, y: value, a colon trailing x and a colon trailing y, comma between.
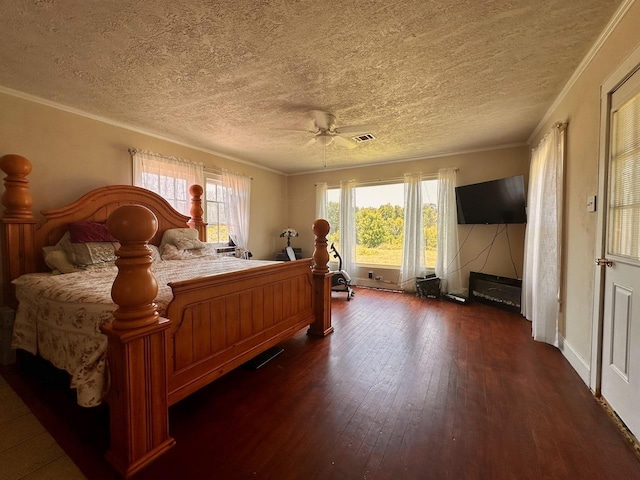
x: 357, y: 128
x: 323, y: 120
x: 344, y: 142
x: 310, y: 142
x: 297, y: 130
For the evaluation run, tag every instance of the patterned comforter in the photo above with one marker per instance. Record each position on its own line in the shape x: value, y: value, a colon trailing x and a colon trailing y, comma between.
x: 59, y: 316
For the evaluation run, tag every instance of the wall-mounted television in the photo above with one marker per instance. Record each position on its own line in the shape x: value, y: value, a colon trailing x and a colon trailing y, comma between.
x: 493, y: 202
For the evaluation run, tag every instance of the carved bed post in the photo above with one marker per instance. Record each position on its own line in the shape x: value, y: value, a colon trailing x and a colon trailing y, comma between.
x: 18, y: 224
x: 196, y: 212
x: 321, y: 282
x: 138, y: 405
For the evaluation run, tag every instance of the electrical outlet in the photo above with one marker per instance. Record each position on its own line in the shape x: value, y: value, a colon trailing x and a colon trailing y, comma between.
x: 370, y: 274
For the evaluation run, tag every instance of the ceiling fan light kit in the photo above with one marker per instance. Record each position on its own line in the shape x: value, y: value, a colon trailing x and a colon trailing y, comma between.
x: 326, y: 131
x: 324, y: 138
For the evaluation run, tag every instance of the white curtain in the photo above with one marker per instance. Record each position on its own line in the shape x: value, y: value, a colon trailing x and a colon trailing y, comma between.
x: 447, y: 259
x: 237, y: 199
x: 321, y: 200
x: 169, y: 177
x: 541, y: 275
x: 413, y: 247
x: 348, y: 225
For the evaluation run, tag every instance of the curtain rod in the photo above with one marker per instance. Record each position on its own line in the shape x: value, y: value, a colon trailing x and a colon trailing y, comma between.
x: 219, y: 171
x: 133, y: 151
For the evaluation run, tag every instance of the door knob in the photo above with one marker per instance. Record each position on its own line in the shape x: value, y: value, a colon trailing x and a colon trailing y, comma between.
x: 604, y: 262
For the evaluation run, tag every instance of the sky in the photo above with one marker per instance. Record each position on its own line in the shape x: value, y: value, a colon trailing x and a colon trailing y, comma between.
x: 377, y: 195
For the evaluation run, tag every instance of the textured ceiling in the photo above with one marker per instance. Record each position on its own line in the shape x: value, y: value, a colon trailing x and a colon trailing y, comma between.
x: 436, y: 76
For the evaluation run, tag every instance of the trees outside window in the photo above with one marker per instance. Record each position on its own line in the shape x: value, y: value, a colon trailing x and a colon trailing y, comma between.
x: 380, y: 222
x: 216, y: 214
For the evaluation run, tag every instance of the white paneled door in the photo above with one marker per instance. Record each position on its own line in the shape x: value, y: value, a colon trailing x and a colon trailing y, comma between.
x: 621, y: 321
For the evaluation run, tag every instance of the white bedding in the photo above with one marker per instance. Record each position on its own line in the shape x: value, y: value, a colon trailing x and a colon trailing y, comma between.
x: 59, y: 316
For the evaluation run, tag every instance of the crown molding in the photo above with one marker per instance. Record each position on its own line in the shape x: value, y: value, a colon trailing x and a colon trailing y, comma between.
x: 413, y: 159
x: 82, y: 113
x: 611, y: 26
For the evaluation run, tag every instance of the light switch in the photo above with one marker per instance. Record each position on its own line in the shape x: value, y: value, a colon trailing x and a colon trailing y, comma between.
x: 591, y: 203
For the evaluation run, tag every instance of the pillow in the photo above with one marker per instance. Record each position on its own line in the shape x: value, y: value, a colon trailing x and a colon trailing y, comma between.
x: 172, y: 234
x: 171, y: 252
x: 188, y: 244
x: 90, y: 253
x: 82, y: 232
x: 57, y: 260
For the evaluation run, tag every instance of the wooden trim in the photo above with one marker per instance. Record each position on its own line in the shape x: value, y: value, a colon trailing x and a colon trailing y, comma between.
x: 321, y: 326
x: 138, y: 409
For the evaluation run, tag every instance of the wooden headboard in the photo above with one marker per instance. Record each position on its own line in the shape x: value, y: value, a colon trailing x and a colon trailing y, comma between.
x: 23, y: 236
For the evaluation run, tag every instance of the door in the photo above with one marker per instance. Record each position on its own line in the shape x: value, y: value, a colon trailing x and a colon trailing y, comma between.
x: 621, y: 320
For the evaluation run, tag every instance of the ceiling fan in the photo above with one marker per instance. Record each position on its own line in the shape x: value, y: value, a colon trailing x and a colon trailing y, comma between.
x: 327, y: 132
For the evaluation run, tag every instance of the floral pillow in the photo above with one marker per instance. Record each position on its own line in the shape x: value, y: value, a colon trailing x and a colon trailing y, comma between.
x: 58, y: 262
x: 188, y: 244
x: 171, y: 252
x: 89, y: 253
x: 172, y: 235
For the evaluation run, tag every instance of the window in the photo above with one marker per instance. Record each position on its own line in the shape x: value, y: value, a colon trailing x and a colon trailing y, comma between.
x: 216, y: 214
x: 380, y: 222
x: 624, y: 208
x: 333, y: 216
x: 173, y: 190
x: 169, y: 177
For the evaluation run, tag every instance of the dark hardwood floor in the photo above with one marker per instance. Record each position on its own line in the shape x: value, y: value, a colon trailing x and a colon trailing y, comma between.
x: 404, y: 389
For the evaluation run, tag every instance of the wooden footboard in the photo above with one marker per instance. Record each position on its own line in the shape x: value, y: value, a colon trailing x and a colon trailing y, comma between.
x: 220, y: 322
x: 214, y: 324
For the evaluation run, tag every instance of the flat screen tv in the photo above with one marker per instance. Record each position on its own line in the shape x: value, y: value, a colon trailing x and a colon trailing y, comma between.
x: 494, y: 202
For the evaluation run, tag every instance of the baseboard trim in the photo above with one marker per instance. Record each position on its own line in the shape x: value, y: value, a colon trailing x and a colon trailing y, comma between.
x: 576, y: 360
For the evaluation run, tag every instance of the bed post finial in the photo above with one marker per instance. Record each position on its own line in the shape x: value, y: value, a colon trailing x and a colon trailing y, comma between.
x: 196, y: 222
x: 321, y: 327
x: 137, y: 353
x: 135, y: 287
x: 16, y: 198
x: 17, y: 228
x: 320, y: 254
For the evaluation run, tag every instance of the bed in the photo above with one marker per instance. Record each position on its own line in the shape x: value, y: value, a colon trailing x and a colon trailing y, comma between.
x: 160, y: 341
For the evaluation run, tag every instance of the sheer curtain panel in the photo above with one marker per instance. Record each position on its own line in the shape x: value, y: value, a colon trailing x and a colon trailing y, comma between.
x: 321, y: 200
x: 237, y: 198
x: 169, y: 177
x: 348, y: 225
x: 413, y: 246
x: 541, y: 274
x: 447, y: 259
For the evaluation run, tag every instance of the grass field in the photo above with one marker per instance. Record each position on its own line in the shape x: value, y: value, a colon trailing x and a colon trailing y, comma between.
x: 388, y: 255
